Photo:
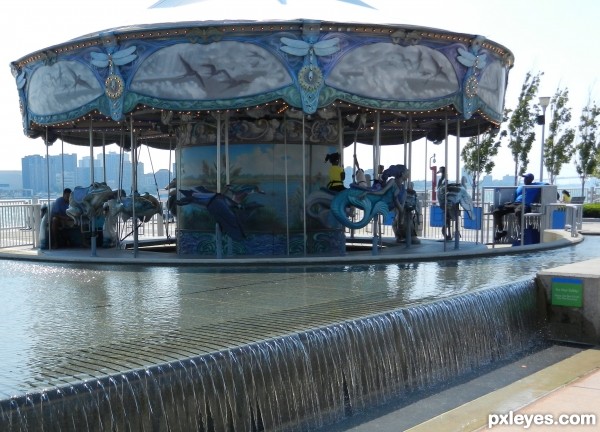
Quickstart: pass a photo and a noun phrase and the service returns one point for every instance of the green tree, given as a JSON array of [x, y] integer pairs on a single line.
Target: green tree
[[587, 151], [558, 148], [522, 123], [478, 153]]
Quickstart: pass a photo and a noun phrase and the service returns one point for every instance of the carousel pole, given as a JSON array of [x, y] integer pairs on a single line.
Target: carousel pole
[[405, 139], [227, 178], [62, 161], [410, 145], [93, 216], [407, 216], [354, 161], [458, 180], [104, 157], [304, 227], [287, 198], [478, 192], [133, 186], [445, 176], [218, 233], [49, 205], [376, 220], [341, 146]]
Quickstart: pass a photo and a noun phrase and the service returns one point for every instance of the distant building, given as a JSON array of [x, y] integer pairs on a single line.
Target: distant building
[[33, 171], [63, 171], [52, 175], [118, 172]]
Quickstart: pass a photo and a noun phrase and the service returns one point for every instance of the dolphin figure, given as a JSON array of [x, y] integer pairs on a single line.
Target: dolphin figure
[[219, 206]]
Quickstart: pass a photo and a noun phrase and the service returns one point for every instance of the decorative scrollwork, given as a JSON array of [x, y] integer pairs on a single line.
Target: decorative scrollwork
[[310, 78], [114, 86], [471, 87]]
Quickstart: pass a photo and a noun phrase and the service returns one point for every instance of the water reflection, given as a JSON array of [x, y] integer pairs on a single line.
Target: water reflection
[[48, 310]]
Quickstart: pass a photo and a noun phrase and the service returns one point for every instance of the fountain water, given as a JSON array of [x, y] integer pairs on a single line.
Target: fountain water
[[299, 381]]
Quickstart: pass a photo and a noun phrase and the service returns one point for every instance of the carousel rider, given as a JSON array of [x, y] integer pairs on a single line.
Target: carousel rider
[[59, 219], [360, 178], [336, 173]]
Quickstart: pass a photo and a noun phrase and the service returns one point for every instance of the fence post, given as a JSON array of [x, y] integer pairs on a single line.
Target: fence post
[[35, 211]]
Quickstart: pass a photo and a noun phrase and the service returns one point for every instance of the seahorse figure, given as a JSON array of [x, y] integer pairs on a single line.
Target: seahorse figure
[[450, 196]]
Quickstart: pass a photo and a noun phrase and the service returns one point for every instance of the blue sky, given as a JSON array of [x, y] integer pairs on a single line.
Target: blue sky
[[557, 37]]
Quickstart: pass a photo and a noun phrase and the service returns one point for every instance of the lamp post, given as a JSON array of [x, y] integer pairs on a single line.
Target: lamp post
[[541, 120]]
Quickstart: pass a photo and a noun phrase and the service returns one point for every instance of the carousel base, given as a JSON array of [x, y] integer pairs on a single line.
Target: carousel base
[[358, 250]]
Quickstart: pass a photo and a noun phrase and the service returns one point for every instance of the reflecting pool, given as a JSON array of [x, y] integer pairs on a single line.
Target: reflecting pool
[[50, 313]]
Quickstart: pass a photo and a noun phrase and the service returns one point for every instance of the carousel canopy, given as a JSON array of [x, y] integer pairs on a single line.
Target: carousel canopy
[[407, 82]]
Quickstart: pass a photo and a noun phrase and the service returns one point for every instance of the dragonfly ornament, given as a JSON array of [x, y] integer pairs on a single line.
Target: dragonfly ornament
[[475, 63], [114, 86], [310, 76]]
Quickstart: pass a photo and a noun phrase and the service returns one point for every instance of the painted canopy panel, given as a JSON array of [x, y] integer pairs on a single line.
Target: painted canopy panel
[[61, 87], [157, 74], [391, 71], [202, 72], [492, 85]]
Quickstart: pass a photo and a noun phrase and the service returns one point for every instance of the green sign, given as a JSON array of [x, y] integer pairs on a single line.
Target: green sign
[[567, 292]]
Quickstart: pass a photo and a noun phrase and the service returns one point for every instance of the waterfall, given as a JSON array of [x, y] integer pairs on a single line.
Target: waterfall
[[299, 381]]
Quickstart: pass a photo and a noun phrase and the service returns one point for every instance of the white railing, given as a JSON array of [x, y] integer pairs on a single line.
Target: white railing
[[430, 228], [20, 225], [17, 224]]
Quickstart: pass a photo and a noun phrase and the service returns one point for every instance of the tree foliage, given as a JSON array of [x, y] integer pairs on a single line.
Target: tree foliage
[[478, 153], [587, 150], [558, 149], [521, 127]]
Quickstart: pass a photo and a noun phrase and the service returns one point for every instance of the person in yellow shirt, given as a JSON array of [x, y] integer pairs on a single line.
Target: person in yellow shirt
[[566, 196], [336, 172]]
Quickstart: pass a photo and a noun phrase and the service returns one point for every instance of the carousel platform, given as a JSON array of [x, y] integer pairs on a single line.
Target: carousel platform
[[358, 250]]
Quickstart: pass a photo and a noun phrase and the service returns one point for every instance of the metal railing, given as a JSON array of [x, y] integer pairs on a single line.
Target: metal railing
[[17, 223], [20, 222], [431, 225]]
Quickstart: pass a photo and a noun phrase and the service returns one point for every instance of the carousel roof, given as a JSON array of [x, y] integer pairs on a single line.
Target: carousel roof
[[256, 75]]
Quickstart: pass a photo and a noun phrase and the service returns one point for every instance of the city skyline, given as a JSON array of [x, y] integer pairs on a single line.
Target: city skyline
[[77, 173], [40, 175]]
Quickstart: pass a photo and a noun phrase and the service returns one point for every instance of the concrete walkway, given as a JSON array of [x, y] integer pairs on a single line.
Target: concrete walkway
[[568, 388]]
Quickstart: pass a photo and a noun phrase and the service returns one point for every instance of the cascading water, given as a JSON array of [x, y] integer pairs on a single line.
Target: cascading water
[[300, 381]]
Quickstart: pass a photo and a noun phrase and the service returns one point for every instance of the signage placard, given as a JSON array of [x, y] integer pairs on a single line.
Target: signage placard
[[567, 292]]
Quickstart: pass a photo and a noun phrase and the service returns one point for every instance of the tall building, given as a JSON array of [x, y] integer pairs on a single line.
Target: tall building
[[33, 171], [53, 174], [63, 171], [113, 168]]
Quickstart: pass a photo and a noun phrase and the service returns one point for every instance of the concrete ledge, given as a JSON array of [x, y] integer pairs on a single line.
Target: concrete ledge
[[569, 300], [551, 235]]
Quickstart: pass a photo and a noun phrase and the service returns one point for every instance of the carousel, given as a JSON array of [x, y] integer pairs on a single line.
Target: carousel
[[252, 111]]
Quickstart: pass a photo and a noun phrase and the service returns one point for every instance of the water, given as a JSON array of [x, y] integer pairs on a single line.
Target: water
[[60, 322]]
